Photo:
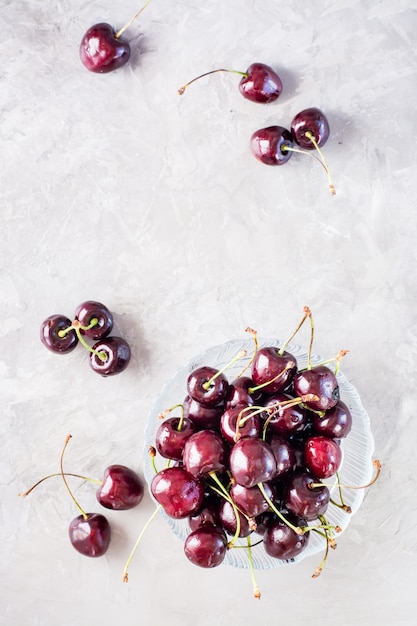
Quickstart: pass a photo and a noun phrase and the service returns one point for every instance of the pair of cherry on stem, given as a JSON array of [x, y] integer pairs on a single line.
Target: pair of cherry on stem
[[121, 489], [109, 354], [103, 50]]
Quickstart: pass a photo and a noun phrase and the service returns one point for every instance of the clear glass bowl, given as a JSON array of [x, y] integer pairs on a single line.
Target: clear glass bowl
[[357, 447]]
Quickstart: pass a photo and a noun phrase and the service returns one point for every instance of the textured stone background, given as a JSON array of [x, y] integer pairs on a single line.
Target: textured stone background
[[115, 188]]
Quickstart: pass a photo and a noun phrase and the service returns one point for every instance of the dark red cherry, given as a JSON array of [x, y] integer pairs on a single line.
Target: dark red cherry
[[335, 423], [302, 500], [116, 356], [101, 51], [284, 456], [49, 334], [171, 436], [206, 546], [275, 367], [207, 514], [249, 425], [90, 535], [179, 493], [121, 488], [250, 500], [240, 392], [205, 451], [321, 382], [203, 416], [228, 520], [282, 542], [206, 386], [261, 84], [269, 145], [322, 456], [286, 420], [312, 121], [252, 461], [90, 310]]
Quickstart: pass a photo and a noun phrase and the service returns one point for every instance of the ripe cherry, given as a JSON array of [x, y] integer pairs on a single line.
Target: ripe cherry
[[260, 83], [179, 493], [322, 456], [89, 311], [335, 423], [121, 488], [171, 436], [303, 500], [110, 356], [310, 128], [206, 546], [207, 385], [205, 451], [51, 338], [270, 145], [252, 461], [282, 542], [320, 381], [90, 534]]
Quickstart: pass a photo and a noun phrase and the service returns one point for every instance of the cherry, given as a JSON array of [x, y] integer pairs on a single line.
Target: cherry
[[90, 534], [233, 521], [51, 337], [205, 451], [287, 419], [242, 392], [273, 369], [207, 385], [121, 488], [260, 83], [104, 50], [310, 127], [179, 493], [90, 311], [335, 423], [250, 500], [270, 145], [282, 542], [322, 456], [171, 436], [110, 357], [321, 382], [249, 424], [207, 514], [284, 456], [252, 461], [303, 500], [203, 416], [206, 547]]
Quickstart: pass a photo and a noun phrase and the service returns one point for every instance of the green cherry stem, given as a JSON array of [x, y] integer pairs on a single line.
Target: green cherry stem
[[77, 327], [307, 313], [310, 136], [209, 382], [138, 540], [296, 529], [88, 478], [225, 494], [83, 513], [256, 590], [288, 366], [255, 350], [184, 87], [285, 404], [132, 19]]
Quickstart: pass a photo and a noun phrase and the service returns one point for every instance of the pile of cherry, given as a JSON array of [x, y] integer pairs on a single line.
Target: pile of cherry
[[247, 458], [109, 354]]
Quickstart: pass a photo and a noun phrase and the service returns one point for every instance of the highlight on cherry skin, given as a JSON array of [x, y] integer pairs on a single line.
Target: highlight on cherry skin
[[109, 355], [103, 49], [260, 83]]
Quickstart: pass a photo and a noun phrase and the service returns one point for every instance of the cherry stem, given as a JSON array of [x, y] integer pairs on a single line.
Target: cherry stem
[[296, 529], [255, 339], [310, 347], [241, 421], [376, 464], [310, 136], [184, 87], [225, 494], [256, 590], [126, 26], [319, 569], [83, 513], [92, 480], [138, 540], [78, 328], [152, 454], [288, 366], [307, 313], [209, 382]]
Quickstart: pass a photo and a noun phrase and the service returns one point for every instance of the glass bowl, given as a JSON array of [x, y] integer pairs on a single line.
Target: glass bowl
[[357, 448]]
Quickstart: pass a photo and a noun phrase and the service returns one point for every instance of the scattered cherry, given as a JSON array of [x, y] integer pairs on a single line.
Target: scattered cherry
[[121, 488], [271, 145]]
